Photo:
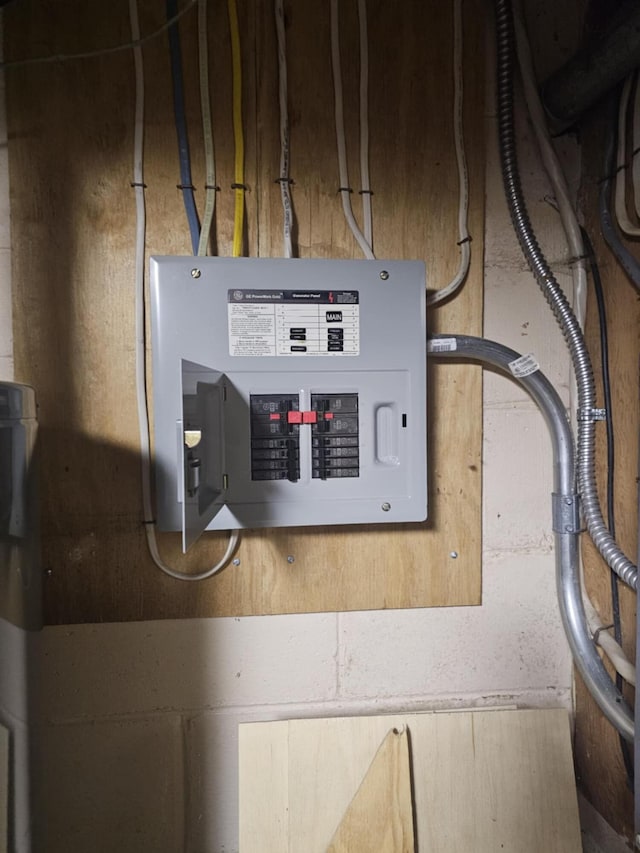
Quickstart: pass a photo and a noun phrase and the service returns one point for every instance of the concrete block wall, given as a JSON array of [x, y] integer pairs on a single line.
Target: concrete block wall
[[139, 734]]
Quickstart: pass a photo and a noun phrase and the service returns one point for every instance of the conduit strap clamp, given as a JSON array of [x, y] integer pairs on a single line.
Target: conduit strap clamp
[[592, 414], [566, 513]]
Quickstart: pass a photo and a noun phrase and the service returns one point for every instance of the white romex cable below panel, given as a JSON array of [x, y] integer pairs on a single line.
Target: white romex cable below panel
[[143, 408]]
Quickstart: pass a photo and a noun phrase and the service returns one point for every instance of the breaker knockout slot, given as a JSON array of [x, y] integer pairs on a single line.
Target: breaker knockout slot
[[275, 437]]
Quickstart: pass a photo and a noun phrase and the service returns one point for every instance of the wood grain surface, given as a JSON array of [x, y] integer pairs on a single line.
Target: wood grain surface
[[598, 754], [379, 818], [484, 781], [73, 226]]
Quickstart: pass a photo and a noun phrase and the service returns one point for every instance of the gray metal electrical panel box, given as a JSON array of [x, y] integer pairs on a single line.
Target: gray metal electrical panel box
[[288, 392]]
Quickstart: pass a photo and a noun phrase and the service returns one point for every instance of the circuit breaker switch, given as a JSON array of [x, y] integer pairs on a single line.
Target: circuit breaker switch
[[336, 429], [275, 437], [309, 417]]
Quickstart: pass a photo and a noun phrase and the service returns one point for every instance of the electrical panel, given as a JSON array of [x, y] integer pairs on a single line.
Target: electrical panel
[[288, 392]]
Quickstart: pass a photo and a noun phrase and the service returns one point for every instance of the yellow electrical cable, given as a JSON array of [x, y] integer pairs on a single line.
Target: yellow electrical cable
[[238, 219]]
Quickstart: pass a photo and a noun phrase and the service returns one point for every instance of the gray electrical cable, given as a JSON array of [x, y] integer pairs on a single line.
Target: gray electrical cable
[[609, 231], [560, 306], [566, 532]]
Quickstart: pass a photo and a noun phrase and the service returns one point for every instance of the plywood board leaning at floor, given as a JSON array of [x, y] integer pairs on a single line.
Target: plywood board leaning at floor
[[482, 780], [379, 818]]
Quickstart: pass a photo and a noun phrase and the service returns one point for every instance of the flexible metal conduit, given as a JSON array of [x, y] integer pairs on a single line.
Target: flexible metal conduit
[[561, 308], [583, 649]]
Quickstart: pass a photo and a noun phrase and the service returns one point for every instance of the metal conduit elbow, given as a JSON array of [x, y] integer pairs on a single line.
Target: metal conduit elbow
[[583, 649]]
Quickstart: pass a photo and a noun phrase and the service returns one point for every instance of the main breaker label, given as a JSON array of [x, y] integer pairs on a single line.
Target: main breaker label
[[293, 322]]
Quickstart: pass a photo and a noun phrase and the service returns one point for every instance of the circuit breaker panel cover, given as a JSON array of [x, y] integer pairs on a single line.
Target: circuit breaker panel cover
[[288, 392]]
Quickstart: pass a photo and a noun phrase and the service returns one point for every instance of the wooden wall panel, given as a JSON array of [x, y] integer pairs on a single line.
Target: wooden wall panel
[[71, 139], [598, 756]]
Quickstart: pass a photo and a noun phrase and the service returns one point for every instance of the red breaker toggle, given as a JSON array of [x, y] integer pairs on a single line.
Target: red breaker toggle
[[306, 417]]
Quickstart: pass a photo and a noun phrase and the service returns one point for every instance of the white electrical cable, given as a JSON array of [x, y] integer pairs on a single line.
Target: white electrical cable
[[138, 183], [635, 164], [364, 124], [621, 166], [463, 173], [573, 236], [607, 643], [344, 188], [143, 409], [553, 168], [207, 132], [105, 51], [284, 181]]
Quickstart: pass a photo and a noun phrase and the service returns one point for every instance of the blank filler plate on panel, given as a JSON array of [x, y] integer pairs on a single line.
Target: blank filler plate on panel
[[319, 368]]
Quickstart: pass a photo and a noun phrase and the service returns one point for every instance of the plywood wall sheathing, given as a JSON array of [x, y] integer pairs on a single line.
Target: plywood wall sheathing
[[73, 223], [598, 754]]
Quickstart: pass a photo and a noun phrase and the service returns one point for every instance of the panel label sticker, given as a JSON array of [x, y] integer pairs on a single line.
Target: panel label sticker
[[293, 322]]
